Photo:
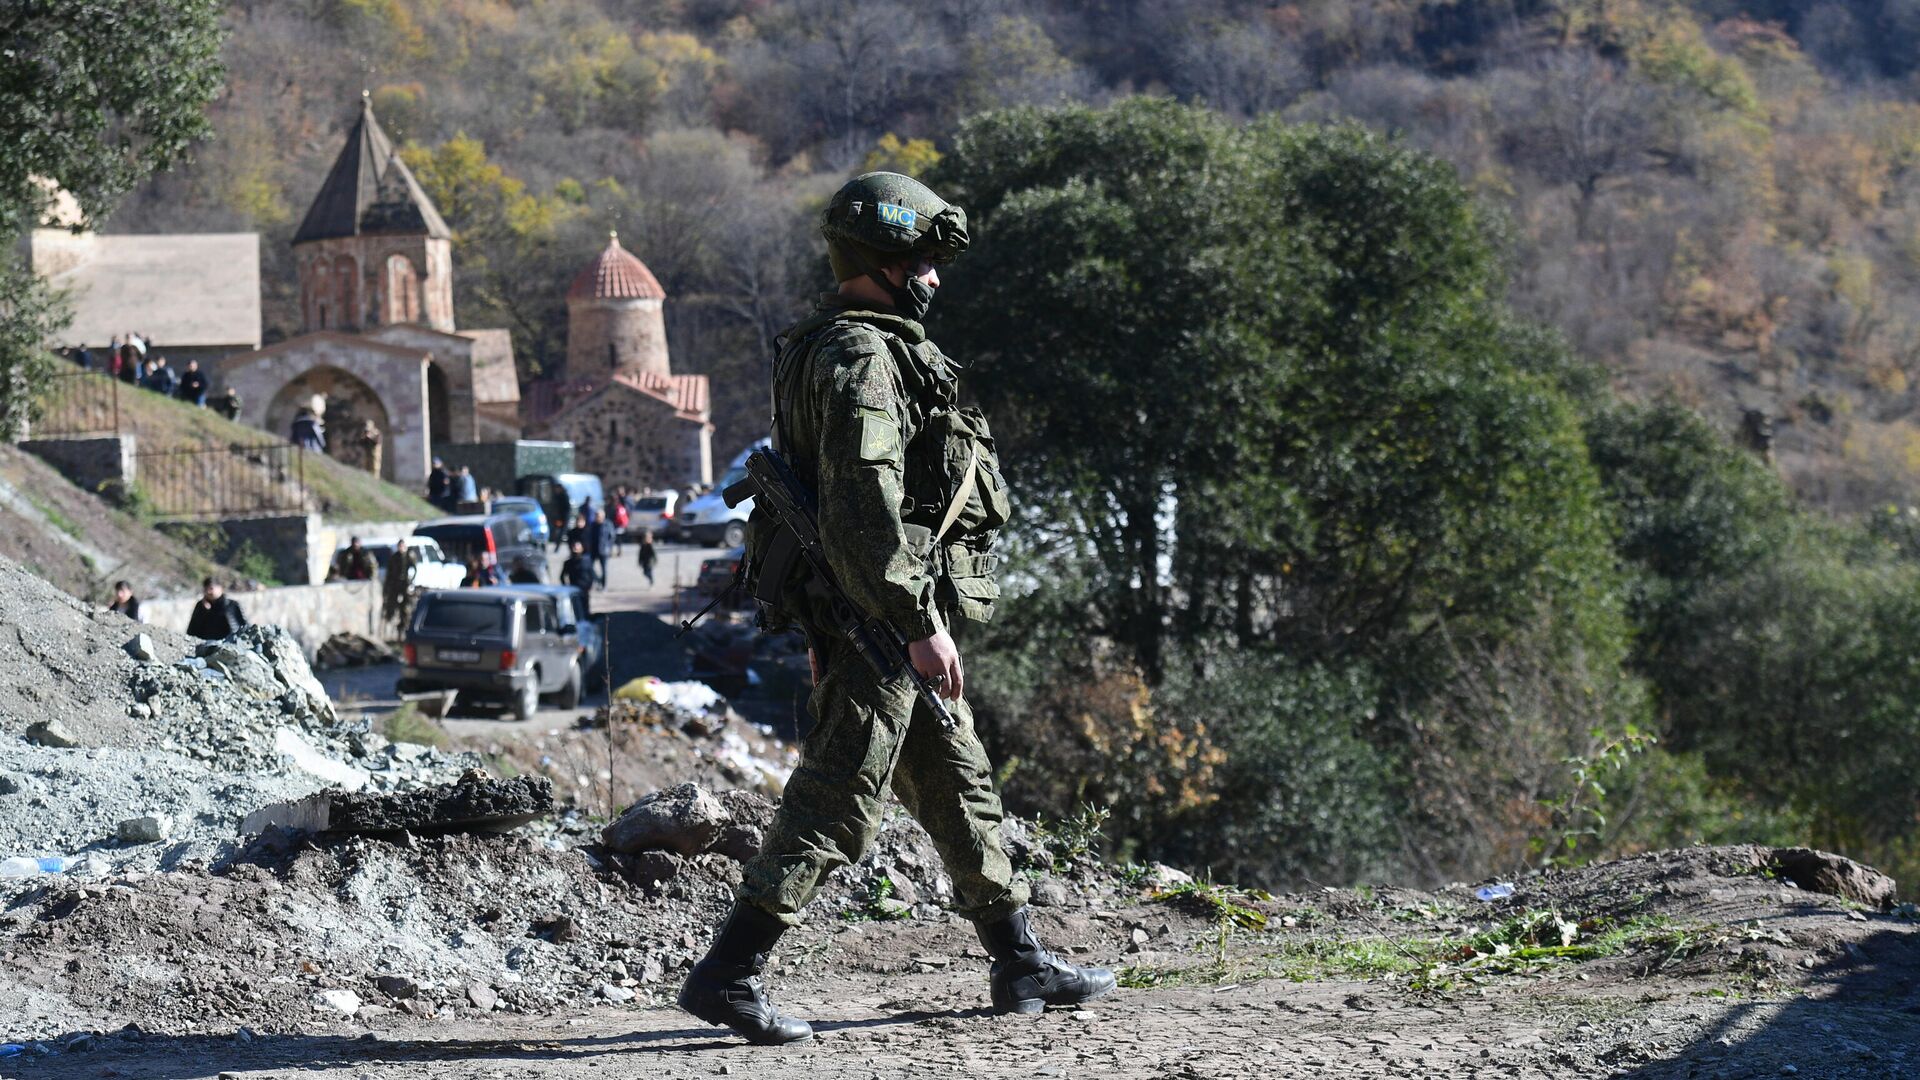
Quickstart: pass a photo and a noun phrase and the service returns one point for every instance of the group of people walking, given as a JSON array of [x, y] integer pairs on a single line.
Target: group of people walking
[[596, 538]]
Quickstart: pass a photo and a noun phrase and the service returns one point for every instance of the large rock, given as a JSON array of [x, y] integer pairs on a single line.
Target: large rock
[[248, 671], [1835, 875], [684, 819], [289, 664], [51, 733]]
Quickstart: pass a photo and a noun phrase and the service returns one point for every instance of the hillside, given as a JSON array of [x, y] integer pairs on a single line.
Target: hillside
[[336, 491], [82, 545], [1716, 198]]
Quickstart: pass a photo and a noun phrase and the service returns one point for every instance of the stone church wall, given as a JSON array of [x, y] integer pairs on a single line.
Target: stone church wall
[[628, 438]]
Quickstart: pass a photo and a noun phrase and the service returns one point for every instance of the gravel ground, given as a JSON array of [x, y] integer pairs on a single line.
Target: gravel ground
[[196, 732]]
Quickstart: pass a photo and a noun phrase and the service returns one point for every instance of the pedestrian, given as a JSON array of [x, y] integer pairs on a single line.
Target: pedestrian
[[577, 532], [621, 517], [216, 616], [228, 404], [161, 378], [559, 513], [193, 384], [84, 357], [396, 585], [114, 357], [599, 544], [855, 387], [648, 556], [439, 484], [482, 571], [577, 571], [368, 441], [355, 563], [465, 491], [124, 601], [128, 370], [309, 431]]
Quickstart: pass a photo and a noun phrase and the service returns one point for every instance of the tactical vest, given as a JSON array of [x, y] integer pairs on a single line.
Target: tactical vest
[[955, 496]]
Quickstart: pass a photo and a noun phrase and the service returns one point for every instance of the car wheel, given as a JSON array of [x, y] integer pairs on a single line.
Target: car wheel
[[528, 703], [734, 535], [569, 695]]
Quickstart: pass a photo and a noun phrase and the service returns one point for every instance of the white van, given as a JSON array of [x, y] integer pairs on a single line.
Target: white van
[[708, 520]]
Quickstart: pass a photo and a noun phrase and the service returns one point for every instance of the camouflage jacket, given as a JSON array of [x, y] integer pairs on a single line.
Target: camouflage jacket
[[855, 392]]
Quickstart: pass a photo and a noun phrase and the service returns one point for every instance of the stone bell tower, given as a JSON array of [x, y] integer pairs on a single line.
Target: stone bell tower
[[615, 323], [372, 249]]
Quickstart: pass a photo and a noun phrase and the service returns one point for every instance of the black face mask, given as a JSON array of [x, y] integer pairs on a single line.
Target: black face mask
[[911, 299]]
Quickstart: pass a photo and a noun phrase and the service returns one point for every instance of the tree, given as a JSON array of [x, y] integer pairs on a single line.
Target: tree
[[94, 96]]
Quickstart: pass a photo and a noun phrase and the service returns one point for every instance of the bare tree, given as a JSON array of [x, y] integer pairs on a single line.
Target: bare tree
[[1579, 120]]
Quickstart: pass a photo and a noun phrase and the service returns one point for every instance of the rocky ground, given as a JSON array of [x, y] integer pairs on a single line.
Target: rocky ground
[[387, 941]]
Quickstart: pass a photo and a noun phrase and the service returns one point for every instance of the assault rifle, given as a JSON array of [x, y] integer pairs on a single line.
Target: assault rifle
[[779, 494]]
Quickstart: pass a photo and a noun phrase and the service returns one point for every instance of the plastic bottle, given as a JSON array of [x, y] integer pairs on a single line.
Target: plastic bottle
[[27, 866]]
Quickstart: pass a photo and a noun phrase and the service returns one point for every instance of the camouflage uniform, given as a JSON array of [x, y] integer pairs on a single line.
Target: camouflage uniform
[[910, 496], [857, 391]]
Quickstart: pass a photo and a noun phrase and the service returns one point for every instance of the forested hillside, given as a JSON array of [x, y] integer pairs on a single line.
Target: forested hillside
[[1718, 199], [1375, 375]]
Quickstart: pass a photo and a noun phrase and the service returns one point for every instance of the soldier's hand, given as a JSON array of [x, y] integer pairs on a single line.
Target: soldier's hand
[[938, 662]]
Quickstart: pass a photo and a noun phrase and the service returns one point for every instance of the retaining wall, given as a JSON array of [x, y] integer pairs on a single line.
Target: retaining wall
[[95, 463], [311, 613]]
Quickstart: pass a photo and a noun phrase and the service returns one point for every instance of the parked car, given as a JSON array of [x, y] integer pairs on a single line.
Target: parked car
[[716, 574], [528, 508], [652, 514], [708, 519], [546, 489], [507, 645], [432, 569], [592, 631], [508, 536]]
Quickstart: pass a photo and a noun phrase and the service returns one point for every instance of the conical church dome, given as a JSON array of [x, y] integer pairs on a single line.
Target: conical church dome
[[615, 274]]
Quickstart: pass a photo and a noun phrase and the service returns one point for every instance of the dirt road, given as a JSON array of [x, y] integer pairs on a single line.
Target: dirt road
[[936, 1025]]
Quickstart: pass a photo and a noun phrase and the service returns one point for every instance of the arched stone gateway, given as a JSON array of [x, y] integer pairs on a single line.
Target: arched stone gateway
[[344, 403], [356, 379]]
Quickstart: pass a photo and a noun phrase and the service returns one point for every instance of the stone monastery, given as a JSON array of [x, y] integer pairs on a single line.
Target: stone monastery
[[379, 345]]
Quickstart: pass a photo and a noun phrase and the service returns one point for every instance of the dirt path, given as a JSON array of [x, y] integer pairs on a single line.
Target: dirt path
[[936, 1025]]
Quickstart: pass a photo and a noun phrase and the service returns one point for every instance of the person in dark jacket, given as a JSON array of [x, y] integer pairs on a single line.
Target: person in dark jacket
[[648, 556], [577, 571], [599, 544], [309, 432], [162, 379], [124, 601], [216, 616], [193, 384], [482, 572], [439, 485]]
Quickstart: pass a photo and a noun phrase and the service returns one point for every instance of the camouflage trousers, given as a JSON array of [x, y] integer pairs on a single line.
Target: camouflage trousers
[[868, 735]]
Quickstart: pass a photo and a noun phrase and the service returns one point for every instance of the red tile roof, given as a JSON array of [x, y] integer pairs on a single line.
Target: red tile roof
[[615, 274], [545, 400]]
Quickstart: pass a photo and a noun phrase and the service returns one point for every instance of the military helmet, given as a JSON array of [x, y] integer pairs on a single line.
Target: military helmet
[[895, 214]]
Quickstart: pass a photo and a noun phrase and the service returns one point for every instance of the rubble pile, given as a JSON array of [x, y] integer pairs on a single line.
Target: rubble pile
[[345, 650], [129, 746]]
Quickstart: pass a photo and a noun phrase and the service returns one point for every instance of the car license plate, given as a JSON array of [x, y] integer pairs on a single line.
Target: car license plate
[[687, 519], [458, 656]]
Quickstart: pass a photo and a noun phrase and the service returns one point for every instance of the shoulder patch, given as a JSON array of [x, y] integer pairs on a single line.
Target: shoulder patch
[[879, 436]]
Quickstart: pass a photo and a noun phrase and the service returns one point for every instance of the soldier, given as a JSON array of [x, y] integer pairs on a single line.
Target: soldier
[[910, 496]]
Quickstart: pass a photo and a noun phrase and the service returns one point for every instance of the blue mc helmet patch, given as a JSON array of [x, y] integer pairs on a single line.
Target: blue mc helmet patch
[[902, 216]]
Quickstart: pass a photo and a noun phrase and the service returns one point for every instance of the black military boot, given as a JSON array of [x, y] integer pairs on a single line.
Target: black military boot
[[724, 987], [1026, 977]]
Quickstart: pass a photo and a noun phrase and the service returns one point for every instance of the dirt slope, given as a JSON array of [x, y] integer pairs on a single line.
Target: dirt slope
[[77, 541]]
